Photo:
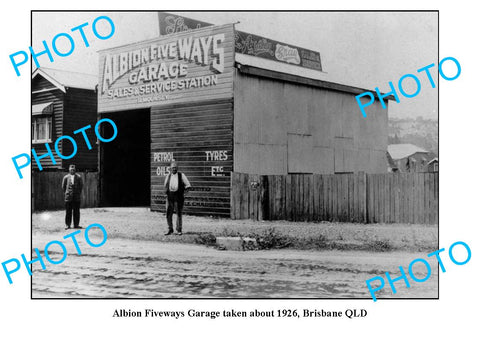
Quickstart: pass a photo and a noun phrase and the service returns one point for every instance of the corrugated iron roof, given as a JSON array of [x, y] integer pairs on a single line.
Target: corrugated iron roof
[[294, 70], [62, 78], [399, 151], [273, 65]]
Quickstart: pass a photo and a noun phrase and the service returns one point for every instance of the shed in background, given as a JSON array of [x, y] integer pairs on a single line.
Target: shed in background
[[411, 158]]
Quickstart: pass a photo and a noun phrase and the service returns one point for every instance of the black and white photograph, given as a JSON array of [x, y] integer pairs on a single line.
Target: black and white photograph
[[228, 155], [222, 170]]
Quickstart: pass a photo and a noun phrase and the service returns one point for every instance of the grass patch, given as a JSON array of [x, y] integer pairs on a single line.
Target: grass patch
[[207, 239], [320, 242], [271, 239], [379, 245]]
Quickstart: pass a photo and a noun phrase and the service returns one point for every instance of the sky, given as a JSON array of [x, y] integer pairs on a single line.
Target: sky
[[363, 49]]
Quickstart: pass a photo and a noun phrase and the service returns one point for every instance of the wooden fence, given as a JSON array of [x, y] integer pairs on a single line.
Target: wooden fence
[[364, 198], [47, 190]]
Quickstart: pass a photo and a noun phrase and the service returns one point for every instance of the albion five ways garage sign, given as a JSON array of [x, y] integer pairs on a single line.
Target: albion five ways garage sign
[[167, 70]]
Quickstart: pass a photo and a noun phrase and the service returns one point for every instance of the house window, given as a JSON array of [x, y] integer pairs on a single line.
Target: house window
[[42, 129]]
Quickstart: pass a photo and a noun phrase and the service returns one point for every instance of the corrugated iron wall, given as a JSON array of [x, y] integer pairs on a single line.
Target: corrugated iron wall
[[283, 127]]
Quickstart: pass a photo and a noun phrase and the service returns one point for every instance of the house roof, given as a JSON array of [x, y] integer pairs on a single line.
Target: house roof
[[63, 79], [433, 160], [390, 162], [399, 151]]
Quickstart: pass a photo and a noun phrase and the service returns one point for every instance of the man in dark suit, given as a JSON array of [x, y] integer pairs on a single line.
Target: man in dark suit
[[176, 184], [72, 186]]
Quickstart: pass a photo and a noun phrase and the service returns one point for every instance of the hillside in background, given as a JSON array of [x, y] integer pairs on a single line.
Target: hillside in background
[[418, 131]]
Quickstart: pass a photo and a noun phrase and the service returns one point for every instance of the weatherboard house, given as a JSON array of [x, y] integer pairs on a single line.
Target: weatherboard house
[[62, 102], [204, 98]]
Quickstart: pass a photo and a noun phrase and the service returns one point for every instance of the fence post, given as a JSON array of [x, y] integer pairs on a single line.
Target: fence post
[[263, 211], [33, 192], [232, 195], [366, 204]]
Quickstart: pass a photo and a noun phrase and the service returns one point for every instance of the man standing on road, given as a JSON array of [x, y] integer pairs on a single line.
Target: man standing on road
[[72, 186], [176, 184]]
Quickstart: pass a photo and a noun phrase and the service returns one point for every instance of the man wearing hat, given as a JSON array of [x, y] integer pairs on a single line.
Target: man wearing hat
[[176, 184], [72, 186]]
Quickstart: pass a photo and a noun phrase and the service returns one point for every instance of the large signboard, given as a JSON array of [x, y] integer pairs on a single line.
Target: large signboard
[[246, 43], [181, 67]]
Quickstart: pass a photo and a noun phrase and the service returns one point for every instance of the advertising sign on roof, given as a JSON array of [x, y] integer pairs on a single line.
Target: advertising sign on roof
[[246, 43]]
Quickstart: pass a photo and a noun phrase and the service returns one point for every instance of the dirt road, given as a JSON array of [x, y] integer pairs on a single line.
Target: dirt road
[[124, 268]]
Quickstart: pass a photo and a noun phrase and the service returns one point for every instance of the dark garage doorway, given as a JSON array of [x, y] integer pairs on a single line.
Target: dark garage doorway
[[125, 161]]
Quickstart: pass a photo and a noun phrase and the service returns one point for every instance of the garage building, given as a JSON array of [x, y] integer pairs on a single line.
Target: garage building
[[189, 97]]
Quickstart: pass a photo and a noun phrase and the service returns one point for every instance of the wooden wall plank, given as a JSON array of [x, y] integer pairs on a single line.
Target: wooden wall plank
[[386, 198], [233, 192], [381, 201], [396, 184], [279, 197], [345, 208], [256, 197], [411, 198], [323, 198], [406, 195], [173, 134], [314, 197], [320, 197], [353, 198], [377, 198], [331, 195], [288, 200], [416, 198], [283, 193], [434, 200], [334, 197], [368, 184], [272, 197], [246, 205], [391, 192], [373, 199], [80, 109], [300, 203], [363, 197], [311, 202], [436, 194], [47, 191], [426, 198], [421, 201]]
